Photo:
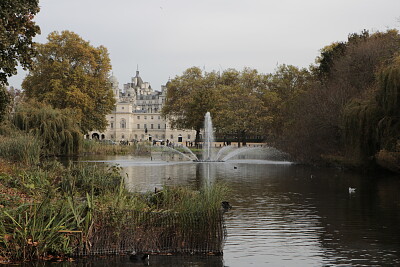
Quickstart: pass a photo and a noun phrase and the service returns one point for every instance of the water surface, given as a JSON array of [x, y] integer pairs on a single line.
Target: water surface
[[289, 215]]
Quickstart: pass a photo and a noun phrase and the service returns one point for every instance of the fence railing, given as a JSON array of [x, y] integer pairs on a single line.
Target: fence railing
[[153, 232]]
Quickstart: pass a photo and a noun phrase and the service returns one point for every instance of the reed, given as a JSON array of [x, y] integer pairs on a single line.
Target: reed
[[101, 148], [20, 147]]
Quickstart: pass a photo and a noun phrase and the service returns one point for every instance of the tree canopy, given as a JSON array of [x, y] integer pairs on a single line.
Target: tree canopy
[[234, 98], [17, 29], [340, 111], [189, 97], [68, 72], [55, 128]]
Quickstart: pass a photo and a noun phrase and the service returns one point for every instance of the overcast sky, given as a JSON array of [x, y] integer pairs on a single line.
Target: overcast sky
[[165, 37]]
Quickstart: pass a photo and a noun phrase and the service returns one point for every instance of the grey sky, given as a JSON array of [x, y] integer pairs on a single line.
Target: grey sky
[[165, 37]]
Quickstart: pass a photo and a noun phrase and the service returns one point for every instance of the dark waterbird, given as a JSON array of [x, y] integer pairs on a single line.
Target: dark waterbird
[[138, 256], [226, 205]]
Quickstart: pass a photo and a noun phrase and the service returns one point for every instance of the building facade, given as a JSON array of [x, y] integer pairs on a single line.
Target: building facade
[[137, 115]]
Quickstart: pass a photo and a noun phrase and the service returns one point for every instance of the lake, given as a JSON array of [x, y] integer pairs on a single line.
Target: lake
[[284, 214]]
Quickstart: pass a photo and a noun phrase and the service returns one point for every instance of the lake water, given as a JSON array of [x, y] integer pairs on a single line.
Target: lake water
[[285, 214]]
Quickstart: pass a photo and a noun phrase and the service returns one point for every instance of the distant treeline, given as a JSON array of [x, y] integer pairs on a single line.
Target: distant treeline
[[344, 108]]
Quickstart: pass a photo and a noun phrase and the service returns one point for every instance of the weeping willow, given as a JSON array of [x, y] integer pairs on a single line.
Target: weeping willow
[[361, 117], [372, 123], [57, 129], [389, 100]]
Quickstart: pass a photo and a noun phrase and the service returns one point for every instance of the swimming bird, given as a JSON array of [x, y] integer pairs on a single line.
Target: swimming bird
[[139, 256], [352, 190], [226, 205]]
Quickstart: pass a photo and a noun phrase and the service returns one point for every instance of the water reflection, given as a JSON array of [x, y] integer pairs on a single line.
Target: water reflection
[[290, 215]]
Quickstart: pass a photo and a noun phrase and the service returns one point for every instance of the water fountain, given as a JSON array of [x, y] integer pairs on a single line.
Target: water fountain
[[208, 139], [226, 153]]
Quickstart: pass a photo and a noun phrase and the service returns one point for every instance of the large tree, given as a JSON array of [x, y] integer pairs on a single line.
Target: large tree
[[189, 97], [68, 72], [240, 110], [55, 128], [17, 29]]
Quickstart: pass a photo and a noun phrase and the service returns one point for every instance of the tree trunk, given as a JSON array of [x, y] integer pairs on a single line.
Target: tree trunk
[[197, 139], [244, 142]]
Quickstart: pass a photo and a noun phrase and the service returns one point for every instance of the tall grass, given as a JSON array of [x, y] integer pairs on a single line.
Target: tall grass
[[99, 148], [23, 148], [183, 199]]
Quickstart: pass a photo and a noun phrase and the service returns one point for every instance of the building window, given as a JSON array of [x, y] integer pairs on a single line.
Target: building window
[[188, 136], [159, 117], [145, 126], [123, 124], [151, 126], [111, 125], [165, 126], [122, 136], [172, 136], [112, 136], [180, 138], [135, 136], [138, 126], [159, 126], [142, 136], [156, 136], [151, 117], [138, 117], [163, 136], [145, 117]]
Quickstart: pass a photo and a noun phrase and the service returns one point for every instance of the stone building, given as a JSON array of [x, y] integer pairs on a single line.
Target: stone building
[[137, 115]]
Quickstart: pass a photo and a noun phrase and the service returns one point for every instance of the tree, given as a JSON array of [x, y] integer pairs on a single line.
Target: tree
[[68, 72], [17, 29], [4, 102], [240, 110], [189, 97], [288, 83], [56, 129]]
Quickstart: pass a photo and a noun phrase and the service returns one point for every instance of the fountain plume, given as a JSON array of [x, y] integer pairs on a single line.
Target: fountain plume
[[208, 138]]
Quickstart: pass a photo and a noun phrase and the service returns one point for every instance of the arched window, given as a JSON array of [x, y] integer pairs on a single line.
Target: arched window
[[123, 123]]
